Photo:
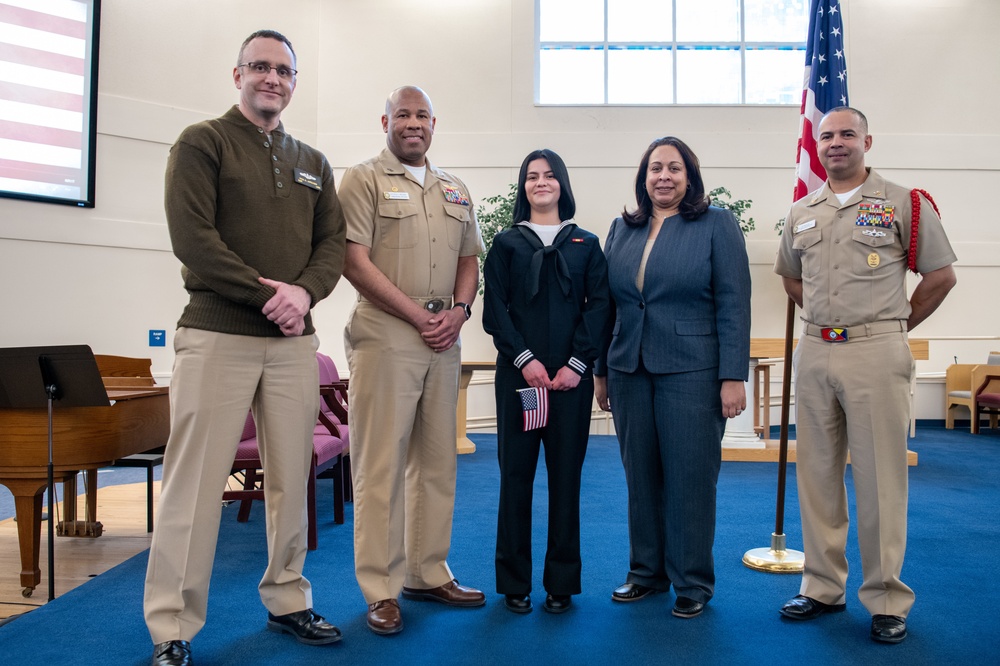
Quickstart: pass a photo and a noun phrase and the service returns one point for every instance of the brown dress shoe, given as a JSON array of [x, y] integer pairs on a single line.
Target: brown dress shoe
[[384, 617], [451, 594]]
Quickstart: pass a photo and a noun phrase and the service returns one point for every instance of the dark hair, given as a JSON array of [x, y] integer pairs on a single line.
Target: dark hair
[[850, 109], [269, 34], [567, 204], [694, 203]]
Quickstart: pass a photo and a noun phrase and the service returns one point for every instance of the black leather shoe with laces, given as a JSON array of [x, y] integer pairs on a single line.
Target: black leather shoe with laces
[[172, 653], [888, 628], [306, 626], [801, 607]]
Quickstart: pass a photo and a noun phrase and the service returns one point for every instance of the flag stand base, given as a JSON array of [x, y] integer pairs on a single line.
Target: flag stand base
[[776, 559]]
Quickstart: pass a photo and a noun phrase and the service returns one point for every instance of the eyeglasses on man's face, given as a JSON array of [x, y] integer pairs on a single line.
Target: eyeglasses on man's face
[[284, 72]]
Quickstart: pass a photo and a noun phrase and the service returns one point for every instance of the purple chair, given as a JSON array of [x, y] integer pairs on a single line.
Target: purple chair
[[986, 400], [330, 445]]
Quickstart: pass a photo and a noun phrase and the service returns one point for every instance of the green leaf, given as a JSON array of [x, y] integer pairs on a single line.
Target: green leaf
[[738, 207], [494, 220]]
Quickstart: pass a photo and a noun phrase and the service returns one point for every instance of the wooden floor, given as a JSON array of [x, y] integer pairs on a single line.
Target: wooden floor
[[122, 511]]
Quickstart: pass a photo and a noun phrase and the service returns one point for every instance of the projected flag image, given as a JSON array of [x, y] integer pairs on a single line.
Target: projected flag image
[[45, 106]]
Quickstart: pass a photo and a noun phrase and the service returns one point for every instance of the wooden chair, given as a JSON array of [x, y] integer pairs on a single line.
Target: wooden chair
[[959, 386], [330, 441]]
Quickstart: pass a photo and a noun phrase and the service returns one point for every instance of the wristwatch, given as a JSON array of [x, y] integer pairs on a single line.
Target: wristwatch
[[465, 308]]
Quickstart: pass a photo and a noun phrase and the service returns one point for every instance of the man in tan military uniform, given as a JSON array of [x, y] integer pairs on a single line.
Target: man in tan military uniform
[[843, 260], [413, 242]]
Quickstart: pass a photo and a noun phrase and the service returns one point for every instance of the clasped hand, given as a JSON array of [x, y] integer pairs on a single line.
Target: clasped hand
[[440, 331], [534, 373], [288, 307]]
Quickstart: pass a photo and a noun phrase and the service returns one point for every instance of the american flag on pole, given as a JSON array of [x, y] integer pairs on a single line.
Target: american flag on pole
[[535, 405], [824, 88]]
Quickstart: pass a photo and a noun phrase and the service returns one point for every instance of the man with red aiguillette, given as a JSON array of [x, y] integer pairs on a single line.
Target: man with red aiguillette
[[843, 260]]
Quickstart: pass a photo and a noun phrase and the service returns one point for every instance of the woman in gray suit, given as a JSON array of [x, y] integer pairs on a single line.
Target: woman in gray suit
[[675, 369]]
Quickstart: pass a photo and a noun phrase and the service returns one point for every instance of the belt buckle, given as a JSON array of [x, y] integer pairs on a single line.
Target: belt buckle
[[434, 306], [834, 334]]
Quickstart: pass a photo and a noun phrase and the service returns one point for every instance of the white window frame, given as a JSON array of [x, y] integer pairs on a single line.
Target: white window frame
[[742, 46]]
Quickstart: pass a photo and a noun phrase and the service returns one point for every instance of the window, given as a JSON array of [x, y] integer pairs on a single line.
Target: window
[[671, 51]]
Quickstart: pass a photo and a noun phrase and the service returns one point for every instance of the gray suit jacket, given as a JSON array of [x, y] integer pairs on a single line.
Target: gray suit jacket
[[694, 310]]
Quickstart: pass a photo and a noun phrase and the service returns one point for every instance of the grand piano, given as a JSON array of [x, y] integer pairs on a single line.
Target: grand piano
[[84, 438]]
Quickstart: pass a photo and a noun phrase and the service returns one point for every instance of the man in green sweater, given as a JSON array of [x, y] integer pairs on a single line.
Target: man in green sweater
[[255, 220]]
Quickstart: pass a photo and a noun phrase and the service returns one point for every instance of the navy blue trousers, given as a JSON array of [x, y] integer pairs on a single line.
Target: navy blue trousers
[[565, 439], [670, 430]]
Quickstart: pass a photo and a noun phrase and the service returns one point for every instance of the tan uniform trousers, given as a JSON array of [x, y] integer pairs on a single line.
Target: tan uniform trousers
[[216, 379], [854, 397], [403, 397]]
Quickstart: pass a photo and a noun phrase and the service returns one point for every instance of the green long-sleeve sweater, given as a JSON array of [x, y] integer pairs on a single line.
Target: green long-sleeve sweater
[[242, 204]]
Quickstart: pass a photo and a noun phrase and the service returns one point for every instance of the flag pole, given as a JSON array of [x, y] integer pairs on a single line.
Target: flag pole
[[777, 558], [824, 88]]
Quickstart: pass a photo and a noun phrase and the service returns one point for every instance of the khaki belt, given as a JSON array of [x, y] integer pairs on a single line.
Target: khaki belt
[[430, 303], [846, 334]]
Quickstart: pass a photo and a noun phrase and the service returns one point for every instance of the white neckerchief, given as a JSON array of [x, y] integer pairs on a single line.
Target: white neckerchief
[[546, 232]]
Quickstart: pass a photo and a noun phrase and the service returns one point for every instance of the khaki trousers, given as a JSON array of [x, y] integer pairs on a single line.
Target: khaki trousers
[[403, 397], [217, 378], [854, 397]]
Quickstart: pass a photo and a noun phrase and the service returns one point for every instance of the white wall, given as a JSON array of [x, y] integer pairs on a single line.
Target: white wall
[[923, 71]]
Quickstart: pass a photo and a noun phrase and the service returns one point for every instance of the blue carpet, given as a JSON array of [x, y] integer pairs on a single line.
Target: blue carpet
[[950, 563]]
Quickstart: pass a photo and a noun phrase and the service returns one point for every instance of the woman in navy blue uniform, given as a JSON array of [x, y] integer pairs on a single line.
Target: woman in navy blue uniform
[[676, 367], [547, 307]]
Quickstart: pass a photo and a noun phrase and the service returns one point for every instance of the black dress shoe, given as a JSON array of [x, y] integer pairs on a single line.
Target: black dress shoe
[[517, 603], [687, 608], [632, 592], [801, 607], [888, 628], [306, 626], [172, 653], [557, 603]]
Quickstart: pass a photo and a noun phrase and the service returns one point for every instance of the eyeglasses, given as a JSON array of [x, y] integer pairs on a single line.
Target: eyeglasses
[[263, 69]]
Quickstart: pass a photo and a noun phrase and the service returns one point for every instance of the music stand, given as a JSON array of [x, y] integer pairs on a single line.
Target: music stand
[[35, 377]]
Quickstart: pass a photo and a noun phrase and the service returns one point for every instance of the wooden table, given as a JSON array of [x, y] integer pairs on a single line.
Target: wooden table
[[463, 443]]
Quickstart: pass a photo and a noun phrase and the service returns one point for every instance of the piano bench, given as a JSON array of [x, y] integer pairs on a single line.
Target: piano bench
[[149, 461]]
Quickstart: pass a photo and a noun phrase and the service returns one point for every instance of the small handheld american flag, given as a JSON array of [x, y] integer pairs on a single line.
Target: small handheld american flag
[[535, 405]]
